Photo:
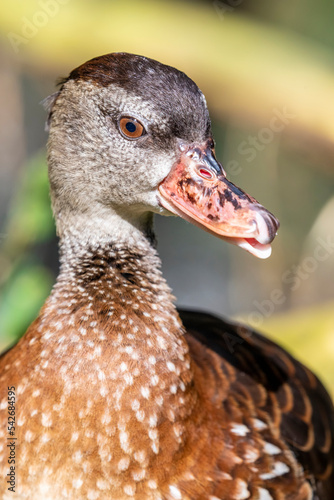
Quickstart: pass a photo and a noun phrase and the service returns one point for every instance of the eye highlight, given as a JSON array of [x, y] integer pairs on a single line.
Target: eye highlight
[[131, 128]]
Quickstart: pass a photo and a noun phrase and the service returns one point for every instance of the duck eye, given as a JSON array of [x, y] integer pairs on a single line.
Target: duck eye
[[131, 128]]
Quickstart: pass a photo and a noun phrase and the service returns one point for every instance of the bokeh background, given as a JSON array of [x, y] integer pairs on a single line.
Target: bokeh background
[[267, 70]]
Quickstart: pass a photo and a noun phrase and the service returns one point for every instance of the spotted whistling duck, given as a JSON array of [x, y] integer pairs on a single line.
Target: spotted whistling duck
[[118, 394]]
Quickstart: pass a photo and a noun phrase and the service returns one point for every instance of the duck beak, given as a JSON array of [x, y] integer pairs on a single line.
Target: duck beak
[[197, 190]]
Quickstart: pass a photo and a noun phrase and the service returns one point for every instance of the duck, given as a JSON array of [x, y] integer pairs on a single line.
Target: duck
[[114, 393]]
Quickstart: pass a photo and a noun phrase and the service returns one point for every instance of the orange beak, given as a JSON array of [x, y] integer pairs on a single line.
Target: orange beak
[[197, 190]]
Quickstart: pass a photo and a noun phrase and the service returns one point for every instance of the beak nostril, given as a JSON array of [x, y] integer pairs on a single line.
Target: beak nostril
[[205, 173]]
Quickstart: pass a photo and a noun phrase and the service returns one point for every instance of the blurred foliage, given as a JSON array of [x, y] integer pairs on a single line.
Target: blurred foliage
[[30, 217], [309, 335], [306, 334], [25, 281], [252, 60]]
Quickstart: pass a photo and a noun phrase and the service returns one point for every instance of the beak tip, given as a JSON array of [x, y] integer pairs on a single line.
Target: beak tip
[[267, 226]]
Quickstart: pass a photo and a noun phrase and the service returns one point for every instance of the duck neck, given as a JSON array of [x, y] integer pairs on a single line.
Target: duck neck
[[116, 252], [116, 264]]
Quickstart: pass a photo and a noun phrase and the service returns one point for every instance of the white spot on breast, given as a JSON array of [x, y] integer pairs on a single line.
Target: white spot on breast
[[106, 418], [128, 379], [153, 420], [239, 429], [171, 415], [154, 380], [135, 405], [46, 420], [161, 342], [251, 455], [173, 389], [74, 437], [170, 366], [224, 475], [77, 456], [152, 484], [135, 355], [92, 495], [259, 424], [139, 475], [145, 391], [264, 494], [129, 489], [152, 360], [123, 438], [175, 492], [45, 438], [123, 464], [271, 449], [57, 407], [102, 484], [279, 469], [29, 436], [182, 386], [20, 389], [242, 491], [140, 456], [103, 391], [159, 400], [44, 488], [77, 483], [155, 447], [177, 428], [140, 415], [153, 434]]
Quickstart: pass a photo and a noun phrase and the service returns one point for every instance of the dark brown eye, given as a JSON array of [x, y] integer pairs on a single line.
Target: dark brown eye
[[131, 128]]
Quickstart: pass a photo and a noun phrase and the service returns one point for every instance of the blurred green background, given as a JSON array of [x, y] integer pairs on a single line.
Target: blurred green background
[[267, 70]]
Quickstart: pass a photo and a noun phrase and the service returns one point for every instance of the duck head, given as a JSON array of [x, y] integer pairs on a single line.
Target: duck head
[[130, 136]]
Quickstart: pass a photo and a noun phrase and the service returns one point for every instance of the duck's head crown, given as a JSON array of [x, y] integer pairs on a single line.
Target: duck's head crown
[[161, 85]]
